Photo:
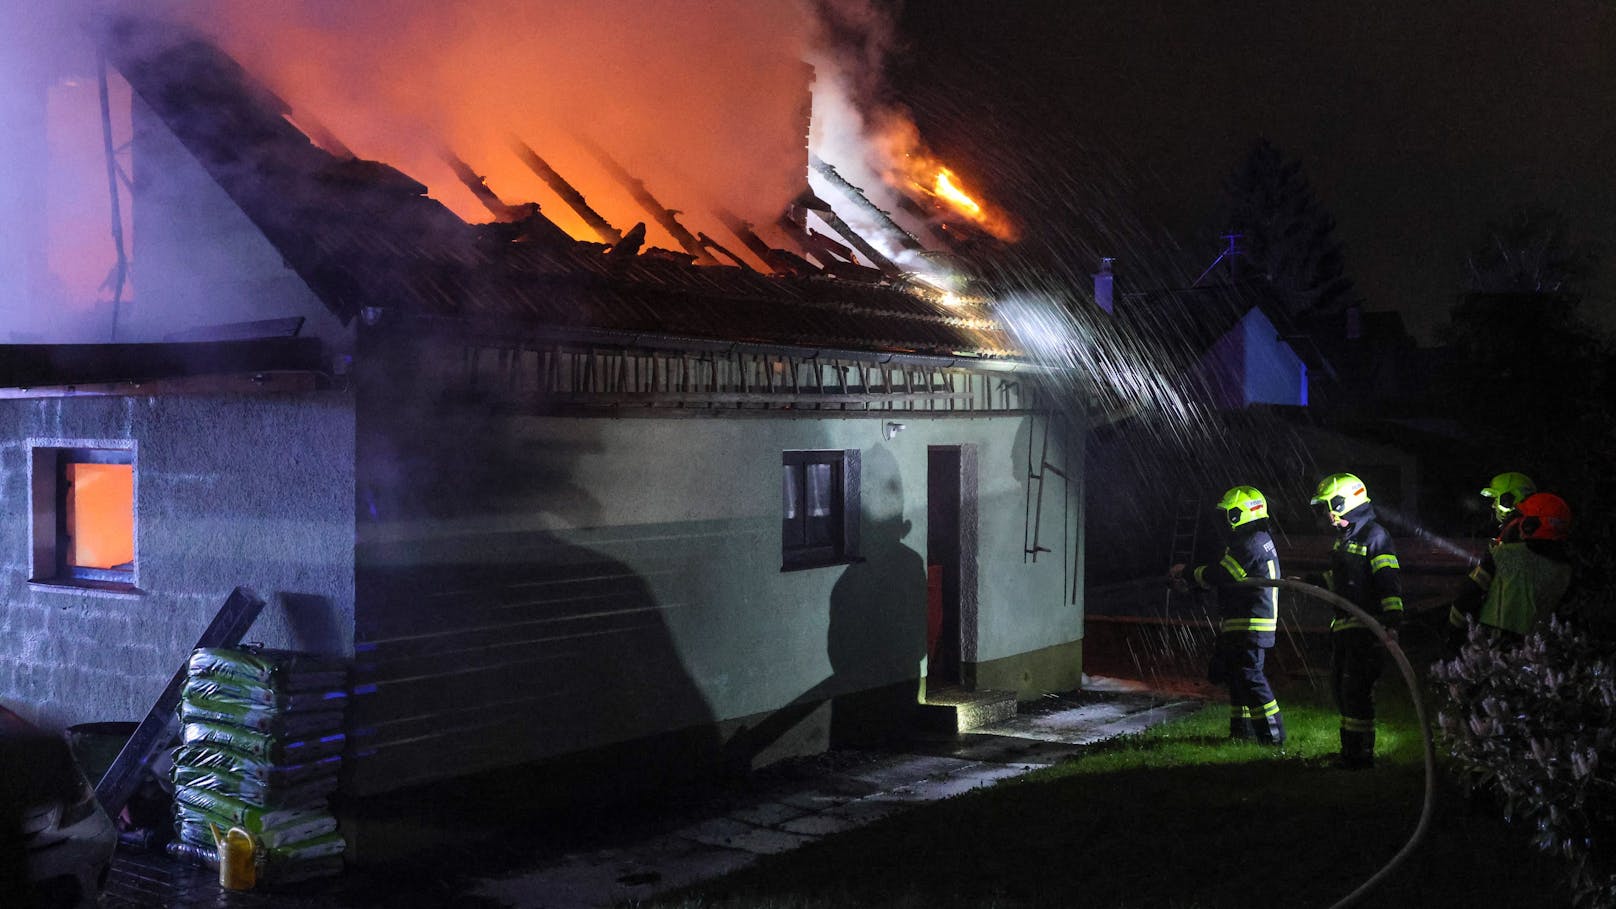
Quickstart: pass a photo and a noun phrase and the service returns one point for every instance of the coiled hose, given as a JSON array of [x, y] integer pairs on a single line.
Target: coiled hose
[[1392, 647]]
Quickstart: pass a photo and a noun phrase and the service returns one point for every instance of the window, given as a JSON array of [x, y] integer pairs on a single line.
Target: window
[[84, 517], [819, 508]]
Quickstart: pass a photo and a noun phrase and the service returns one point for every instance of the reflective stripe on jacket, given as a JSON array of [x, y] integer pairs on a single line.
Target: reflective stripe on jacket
[[1364, 570], [1251, 613]]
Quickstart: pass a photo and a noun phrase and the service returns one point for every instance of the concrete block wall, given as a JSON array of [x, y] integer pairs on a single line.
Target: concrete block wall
[[239, 490]]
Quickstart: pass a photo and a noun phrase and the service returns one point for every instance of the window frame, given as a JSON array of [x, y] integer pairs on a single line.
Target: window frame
[[49, 460], [842, 547]]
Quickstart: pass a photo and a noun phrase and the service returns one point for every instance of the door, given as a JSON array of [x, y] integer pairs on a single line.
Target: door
[[944, 558]]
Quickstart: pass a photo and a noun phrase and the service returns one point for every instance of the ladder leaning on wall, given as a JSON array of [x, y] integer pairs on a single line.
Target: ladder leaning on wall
[[1186, 533]]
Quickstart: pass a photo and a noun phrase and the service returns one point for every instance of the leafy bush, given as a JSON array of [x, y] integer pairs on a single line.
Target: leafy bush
[[1534, 722]]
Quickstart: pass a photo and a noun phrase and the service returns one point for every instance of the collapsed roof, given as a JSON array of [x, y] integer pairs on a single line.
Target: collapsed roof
[[361, 235]]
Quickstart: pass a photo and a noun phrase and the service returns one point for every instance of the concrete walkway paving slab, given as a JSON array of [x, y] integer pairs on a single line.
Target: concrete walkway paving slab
[[768, 814], [844, 818], [733, 834], [905, 769]]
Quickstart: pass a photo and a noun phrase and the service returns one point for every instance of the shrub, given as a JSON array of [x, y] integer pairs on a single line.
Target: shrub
[[1532, 722]]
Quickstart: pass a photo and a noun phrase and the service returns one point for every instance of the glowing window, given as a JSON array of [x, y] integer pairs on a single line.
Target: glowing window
[[819, 508], [99, 516], [84, 516]]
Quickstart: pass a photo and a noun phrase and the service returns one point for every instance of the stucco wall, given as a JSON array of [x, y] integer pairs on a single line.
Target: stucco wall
[[250, 491], [530, 586]]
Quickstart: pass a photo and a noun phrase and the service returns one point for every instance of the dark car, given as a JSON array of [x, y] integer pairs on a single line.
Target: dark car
[[56, 842]]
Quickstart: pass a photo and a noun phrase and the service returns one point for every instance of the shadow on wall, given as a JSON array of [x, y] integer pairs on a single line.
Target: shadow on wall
[[876, 636], [314, 624], [483, 643]]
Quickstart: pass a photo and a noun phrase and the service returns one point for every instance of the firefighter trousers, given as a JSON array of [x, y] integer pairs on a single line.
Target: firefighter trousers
[[1253, 710], [1356, 661]]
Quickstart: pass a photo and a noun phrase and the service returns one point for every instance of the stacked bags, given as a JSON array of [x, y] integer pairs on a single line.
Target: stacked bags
[[261, 743]]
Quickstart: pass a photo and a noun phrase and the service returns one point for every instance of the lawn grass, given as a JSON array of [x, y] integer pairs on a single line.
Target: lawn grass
[[1176, 817]]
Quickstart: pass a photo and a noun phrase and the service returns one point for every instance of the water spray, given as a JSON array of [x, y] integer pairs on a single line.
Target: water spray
[[1403, 522], [1407, 669]]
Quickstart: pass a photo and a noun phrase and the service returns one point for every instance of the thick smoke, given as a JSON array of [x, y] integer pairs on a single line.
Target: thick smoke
[[706, 102]]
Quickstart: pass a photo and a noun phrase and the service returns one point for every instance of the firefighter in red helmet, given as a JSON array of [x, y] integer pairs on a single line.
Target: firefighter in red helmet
[[1248, 615], [1525, 574]]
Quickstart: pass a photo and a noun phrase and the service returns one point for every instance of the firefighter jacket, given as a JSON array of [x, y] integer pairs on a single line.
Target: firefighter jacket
[[1517, 585], [1249, 612], [1364, 569]]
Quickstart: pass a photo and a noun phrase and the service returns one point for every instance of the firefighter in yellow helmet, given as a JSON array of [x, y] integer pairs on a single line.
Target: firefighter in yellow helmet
[[1364, 570], [1247, 616], [1508, 490], [1524, 575]]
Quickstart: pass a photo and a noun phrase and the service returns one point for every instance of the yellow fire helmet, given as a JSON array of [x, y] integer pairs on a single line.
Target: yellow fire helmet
[[1340, 493], [1507, 490], [1242, 505]]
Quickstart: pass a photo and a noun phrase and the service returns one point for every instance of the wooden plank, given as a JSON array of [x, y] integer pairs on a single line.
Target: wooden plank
[[124, 776]]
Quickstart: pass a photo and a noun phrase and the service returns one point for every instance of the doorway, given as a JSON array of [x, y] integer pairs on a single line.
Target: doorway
[[950, 565]]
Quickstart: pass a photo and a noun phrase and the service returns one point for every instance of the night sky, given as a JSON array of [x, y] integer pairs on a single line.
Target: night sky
[[1110, 125]]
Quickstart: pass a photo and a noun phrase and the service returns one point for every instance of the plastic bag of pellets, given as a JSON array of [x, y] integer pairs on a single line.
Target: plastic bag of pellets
[[261, 746], [252, 770], [260, 718], [219, 687], [272, 828], [313, 792], [280, 669]]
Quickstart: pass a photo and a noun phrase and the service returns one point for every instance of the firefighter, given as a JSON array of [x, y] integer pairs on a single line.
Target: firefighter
[[1364, 570], [1248, 615], [1507, 490], [1524, 576]]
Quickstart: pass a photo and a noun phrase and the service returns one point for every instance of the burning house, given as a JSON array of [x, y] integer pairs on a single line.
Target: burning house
[[558, 498]]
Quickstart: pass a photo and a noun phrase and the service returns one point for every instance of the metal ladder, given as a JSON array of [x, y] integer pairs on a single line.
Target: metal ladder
[[1186, 531]]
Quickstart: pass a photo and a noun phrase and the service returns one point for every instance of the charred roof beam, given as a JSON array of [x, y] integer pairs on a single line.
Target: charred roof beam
[[530, 223], [780, 260], [570, 195], [664, 216], [900, 236]]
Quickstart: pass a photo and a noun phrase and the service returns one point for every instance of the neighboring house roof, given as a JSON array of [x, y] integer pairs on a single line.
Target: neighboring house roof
[[1187, 322], [362, 234]]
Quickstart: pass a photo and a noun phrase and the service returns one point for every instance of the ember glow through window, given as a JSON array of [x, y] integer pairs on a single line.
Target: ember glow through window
[[99, 516], [84, 516], [819, 508]]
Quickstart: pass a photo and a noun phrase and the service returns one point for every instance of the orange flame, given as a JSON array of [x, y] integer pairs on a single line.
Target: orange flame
[[911, 166], [941, 183], [944, 188]]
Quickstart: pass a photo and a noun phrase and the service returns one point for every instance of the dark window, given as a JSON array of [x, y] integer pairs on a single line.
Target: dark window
[[819, 508], [84, 516]]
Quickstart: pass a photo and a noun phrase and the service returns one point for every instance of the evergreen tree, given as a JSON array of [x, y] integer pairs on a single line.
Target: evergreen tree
[[1287, 236]]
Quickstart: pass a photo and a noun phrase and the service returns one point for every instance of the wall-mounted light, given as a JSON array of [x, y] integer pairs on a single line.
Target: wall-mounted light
[[370, 315], [891, 429]]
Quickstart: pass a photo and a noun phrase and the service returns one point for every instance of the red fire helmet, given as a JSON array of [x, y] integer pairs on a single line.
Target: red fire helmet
[[1543, 516]]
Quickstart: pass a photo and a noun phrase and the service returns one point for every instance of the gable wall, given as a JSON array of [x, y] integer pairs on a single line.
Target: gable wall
[[200, 260]]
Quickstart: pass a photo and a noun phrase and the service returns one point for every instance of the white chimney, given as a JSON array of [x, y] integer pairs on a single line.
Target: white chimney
[[1102, 285]]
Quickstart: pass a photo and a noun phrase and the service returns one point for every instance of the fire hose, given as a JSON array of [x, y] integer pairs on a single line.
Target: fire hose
[[1419, 713]]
